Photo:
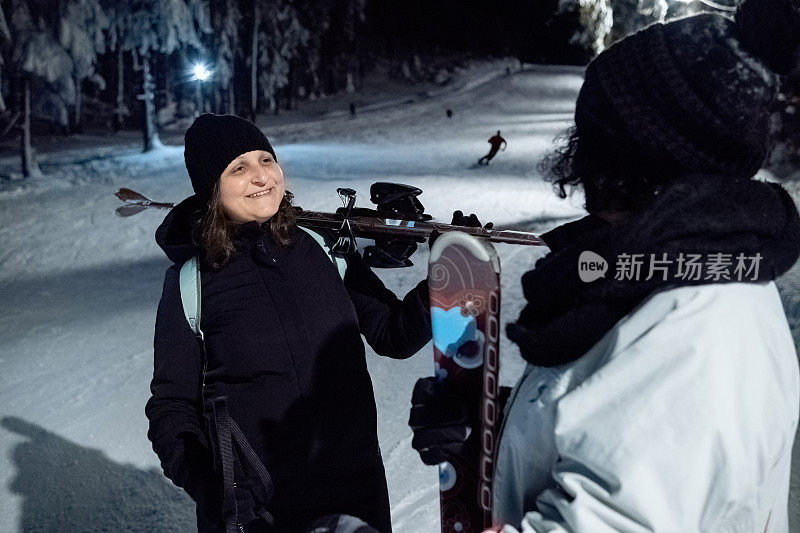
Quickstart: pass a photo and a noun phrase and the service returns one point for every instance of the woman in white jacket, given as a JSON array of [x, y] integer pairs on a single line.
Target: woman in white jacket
[[662, 396]]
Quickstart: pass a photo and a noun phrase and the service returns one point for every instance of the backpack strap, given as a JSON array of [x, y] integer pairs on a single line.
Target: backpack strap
[[252, 468], [190, 294]]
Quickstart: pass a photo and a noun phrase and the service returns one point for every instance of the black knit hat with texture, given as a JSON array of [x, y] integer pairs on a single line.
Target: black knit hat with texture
[[212, 142], [692, 95]]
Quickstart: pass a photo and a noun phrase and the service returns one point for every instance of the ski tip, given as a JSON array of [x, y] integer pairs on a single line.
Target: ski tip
[[476, 246], [129, 210], [127, 195]]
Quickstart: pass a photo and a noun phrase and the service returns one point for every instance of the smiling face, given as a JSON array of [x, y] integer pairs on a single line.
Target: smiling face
[[251, 187]]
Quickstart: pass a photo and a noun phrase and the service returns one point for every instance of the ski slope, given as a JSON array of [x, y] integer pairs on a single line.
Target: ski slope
[[80, 287]]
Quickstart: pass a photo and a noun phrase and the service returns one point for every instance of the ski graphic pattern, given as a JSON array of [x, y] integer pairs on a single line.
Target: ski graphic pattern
[[464, 282]]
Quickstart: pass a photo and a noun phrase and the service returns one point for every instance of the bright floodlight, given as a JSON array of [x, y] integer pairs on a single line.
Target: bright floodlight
[[201, 72]]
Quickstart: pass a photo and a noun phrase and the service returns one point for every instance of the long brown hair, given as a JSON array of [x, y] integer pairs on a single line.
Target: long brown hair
[[215, 230]]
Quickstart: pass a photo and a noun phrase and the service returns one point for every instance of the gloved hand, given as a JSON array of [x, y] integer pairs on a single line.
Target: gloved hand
[[470, 221], [440, 421], [340, 523], [207, 493], [195, 473], [459, 219]]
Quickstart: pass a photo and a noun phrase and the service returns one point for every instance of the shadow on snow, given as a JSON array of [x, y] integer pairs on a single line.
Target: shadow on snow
[[67, 487]]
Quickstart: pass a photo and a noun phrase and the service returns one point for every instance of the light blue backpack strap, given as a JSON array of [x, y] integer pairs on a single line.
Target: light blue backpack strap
[[339, 262], [190, 294]]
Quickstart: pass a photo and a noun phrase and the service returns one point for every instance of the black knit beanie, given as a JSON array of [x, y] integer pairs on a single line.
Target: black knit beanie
[[212, 142], [694, 94]]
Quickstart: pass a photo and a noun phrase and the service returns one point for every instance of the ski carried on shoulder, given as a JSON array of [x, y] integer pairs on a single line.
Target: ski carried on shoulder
[[396, 225], [464, 284]]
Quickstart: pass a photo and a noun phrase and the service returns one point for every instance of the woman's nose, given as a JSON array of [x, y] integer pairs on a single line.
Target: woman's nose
[[260, 176]]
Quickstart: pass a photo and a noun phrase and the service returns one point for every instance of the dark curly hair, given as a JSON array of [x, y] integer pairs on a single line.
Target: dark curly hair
[[613, 176], [214, 231]]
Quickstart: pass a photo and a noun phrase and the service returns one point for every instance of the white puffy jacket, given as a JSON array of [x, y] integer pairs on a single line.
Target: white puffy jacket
[[680, 419]]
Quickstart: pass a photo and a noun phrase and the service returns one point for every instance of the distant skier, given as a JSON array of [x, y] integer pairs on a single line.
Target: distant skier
[[449, 113], [352, 110], [498, 143]]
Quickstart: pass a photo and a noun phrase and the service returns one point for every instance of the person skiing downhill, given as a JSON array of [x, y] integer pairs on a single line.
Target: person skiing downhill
[[497, 143], [661, 395], [282, 347]]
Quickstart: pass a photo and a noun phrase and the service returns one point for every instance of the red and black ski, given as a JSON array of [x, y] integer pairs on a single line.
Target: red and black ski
[[464, 282]]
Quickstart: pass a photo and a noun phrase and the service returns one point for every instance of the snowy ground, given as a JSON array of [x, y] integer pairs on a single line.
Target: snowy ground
[[80, 288]]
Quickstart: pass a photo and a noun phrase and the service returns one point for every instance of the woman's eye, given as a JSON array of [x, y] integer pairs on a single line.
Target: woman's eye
[[238, 169], [266, 160]]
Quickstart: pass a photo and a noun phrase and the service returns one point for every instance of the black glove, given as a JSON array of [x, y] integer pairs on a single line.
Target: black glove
[[460, 220], [440, 421], [470, 222], [197, 475], [340, 523]]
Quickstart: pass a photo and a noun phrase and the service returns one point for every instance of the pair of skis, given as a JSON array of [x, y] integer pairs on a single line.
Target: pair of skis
[[464, 282], [366, 223]]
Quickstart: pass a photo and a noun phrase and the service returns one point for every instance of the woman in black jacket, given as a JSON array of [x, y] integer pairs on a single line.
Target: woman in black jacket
[[282, 337]]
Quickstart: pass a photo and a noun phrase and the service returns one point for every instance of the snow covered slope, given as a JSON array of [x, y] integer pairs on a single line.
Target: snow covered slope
[[79, 289]]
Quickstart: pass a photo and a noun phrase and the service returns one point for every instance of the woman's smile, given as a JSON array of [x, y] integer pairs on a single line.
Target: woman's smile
[[259, 194]]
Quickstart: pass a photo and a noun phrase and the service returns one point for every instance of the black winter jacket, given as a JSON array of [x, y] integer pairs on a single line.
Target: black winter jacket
[[282, 334]]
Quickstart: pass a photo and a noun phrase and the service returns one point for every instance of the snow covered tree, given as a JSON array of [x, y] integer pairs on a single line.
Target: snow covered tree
[[281, 39], [226, 21], [277, 37], [596, 20], [82, 34], [35, 54], [331, 55], [159, 26], [349, 18], [56, 47], [314, 14], [5, 38], [115, 33]]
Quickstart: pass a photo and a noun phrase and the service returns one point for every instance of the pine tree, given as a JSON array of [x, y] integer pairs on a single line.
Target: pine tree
[[277, 37], [226, 20], [596, 20], [57, 46], [331, 53], [281, 39], [82, 34], [36, 56], [5, 38], [159, 26]]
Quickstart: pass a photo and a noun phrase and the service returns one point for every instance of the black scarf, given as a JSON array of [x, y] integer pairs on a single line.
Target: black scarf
[[705, 215]]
